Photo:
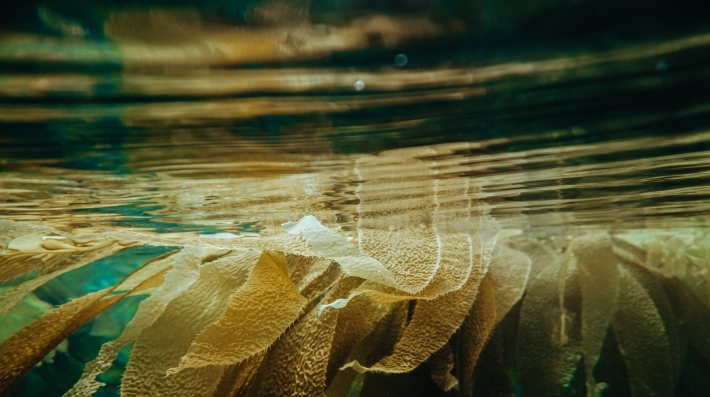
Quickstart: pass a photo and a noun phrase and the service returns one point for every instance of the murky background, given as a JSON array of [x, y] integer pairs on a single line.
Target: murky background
[[558, 117]]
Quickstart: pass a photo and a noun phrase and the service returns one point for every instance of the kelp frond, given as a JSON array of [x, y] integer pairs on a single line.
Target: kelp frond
[[253, 317]]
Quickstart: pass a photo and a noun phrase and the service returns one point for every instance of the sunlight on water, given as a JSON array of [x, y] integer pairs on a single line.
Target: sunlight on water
[[354, 199]]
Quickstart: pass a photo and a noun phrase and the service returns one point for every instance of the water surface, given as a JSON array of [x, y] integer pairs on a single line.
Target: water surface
[[152, 122]]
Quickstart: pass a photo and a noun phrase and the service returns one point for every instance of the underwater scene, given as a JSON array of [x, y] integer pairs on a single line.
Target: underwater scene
[[343, 198]]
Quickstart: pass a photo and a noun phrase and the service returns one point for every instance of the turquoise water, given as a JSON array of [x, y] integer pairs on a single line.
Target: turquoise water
[[567, 117]]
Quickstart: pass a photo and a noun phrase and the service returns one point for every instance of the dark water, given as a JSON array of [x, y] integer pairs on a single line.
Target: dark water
[[562, 117]]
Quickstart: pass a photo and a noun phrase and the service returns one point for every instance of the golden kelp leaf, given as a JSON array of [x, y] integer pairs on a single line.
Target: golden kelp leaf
[[149, 284], [671, 321], [185, 271], [692, 312], [13, 296], [312, 275], [237, 379], [540, 255], [433, 323], [25, 254], [331, 245], [458, 223], [396, 190], [24, 313], [20, 352], [376, 292], [474, 333], [16, 263], [302, 270], [629, 252], [257, 314], [440, 365], [457, 254], [314, 290], [377, 345], [30, 309], [160, 346], [380, 342], [355, 321], [599, 280], [407, 259], [159, 264], [283, 242], [411, 254], [508, 273], [549, 332], [383, 294], [296, 365], [642, 340]]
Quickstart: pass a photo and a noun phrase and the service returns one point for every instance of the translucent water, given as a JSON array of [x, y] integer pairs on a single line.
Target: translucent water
[[569, 159]]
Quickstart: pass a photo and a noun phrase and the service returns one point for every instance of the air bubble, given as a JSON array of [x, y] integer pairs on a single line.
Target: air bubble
[[400, 60], [661, 66]]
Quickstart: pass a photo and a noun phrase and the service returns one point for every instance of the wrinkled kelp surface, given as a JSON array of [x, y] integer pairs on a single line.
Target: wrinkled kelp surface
[[354, 198], [232, 317]]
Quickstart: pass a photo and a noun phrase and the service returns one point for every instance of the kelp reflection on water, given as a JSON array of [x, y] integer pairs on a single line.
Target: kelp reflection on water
[[445, 228]]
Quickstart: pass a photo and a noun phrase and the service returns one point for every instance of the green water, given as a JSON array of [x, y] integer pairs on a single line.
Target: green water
[[576, 116]]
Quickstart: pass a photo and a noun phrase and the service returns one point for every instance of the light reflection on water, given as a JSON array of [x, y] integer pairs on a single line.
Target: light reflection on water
[[601, 139], [217, 181], [183, 138]]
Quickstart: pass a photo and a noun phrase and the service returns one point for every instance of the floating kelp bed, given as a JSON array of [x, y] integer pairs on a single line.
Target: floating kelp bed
[[355, 198], [303, 311], [412, 289]]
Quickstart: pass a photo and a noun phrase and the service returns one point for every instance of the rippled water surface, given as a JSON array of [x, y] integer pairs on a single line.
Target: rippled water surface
[[188, 123], [605, 139]]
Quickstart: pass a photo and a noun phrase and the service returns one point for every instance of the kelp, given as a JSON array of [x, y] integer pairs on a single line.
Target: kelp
[[254, 316], [509, 274], [433, 322], [474, 334], [29, 345], [184, 270], [305, 346], [440, 365], [56, 258], [24, 313], [642, 341], [161, 346], [599, 282], [549, 335], [604, 285], [25, 348]]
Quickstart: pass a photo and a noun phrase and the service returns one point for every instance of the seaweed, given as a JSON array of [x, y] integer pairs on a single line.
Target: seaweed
[[252, 317]]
